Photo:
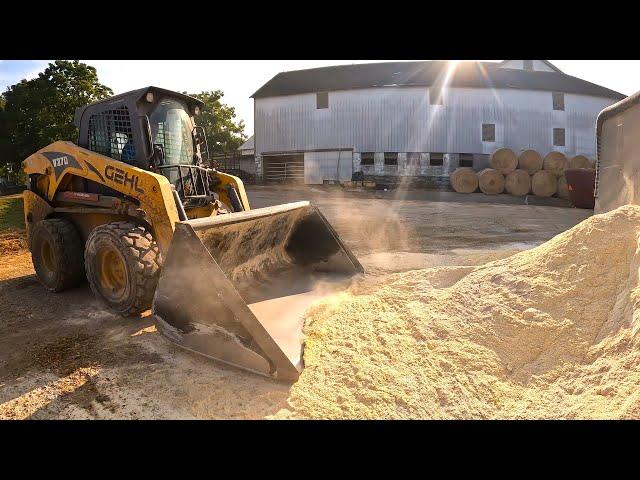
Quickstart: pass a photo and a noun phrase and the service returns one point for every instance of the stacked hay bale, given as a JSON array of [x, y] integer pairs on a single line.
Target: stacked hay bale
[[515, 169], [491, 181], [563, 189], [518, 183], [520, 175], [464, 180], [504, 160], [530, 161], [555, 163], [579, 161], [544, 183]]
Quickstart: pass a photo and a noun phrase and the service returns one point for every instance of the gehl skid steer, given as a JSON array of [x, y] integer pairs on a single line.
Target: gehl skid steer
[[133, 209]]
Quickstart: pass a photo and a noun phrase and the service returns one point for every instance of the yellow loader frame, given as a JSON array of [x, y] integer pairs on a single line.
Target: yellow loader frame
[[60, 162]]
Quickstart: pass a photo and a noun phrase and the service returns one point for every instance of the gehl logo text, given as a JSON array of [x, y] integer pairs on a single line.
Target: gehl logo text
[[122, 177]]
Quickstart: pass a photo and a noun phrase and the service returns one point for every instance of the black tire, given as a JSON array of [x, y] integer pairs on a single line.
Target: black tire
[[123, 262], [57, 254]]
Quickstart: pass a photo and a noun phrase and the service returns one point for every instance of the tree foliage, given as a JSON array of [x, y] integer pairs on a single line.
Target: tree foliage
[[37, 112], [7, 152], [224, 133], [40, 111]]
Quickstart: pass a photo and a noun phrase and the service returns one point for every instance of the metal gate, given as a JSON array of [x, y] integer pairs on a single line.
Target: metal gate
[[279, 168]]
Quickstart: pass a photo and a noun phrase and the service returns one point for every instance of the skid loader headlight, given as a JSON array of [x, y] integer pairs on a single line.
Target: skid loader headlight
[[149, 97]]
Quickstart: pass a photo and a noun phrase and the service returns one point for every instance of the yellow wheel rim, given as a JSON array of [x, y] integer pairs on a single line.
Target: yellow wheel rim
[[46, 253], [112, 273]]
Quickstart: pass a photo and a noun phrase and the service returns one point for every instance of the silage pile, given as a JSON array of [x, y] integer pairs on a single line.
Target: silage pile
[[546, 333]]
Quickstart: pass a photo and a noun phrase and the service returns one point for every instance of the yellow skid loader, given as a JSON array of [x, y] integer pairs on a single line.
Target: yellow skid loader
[[133, 208]]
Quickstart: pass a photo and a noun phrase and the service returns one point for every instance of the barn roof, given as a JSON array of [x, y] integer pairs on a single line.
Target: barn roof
[[427, 73], [249, 144], [546, 62]]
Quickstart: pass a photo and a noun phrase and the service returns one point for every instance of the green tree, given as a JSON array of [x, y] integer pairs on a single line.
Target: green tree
[[9, 169], [7, 152], [224, 133], [40, 111]]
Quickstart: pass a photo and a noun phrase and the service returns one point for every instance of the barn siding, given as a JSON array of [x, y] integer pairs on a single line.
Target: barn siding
[[402, 120]]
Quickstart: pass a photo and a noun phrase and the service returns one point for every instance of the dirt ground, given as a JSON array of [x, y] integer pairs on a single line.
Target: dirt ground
[[62, 356]]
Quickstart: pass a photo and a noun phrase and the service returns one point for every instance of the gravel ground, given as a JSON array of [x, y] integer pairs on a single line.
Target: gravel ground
[[62, 356]]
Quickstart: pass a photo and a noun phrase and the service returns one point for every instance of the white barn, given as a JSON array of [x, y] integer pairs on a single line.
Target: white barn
[[419, 119]]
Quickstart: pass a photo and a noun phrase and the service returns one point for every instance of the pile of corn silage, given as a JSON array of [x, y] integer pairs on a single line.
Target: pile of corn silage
[[546, 333]]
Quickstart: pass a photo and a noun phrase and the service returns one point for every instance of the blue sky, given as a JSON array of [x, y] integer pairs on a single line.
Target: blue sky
[[12, 71], [238, 79]]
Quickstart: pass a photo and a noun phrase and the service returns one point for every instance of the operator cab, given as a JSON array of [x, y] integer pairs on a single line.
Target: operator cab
[[153, 129]]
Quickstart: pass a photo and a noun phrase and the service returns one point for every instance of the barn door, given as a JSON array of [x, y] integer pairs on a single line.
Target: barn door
[[278, 168]]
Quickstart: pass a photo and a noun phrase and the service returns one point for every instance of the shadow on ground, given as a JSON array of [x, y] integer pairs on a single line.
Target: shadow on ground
[[62, 356]]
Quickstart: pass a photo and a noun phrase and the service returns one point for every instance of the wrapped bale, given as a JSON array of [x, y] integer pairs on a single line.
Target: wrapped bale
[[491, 181], [504, 160], [555, 162], [464, 180], [544, 183], [530, 161], [563, 190], [579, 161], [518, 183]]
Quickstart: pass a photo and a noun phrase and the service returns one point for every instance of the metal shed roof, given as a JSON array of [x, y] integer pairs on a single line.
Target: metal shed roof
[[249, 144], [428, 73]]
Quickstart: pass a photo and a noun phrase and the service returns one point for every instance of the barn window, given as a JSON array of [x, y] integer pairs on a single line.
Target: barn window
[[435, 96], [390, 158], [436, 159], [528, 64], [366, 158], [322, 100], [558, 100], [466, 160], [558, 137], [488, 132]]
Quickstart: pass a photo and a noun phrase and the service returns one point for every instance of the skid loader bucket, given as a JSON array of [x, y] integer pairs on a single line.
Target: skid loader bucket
[[232, 286]]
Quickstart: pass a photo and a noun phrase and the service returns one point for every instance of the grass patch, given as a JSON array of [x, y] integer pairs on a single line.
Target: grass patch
[[11, 215]]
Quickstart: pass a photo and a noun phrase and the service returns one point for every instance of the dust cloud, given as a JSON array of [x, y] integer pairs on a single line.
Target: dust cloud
[[383, 231]]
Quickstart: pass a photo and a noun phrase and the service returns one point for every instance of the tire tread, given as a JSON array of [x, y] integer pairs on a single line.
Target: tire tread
[[68, 244], [135, 242]]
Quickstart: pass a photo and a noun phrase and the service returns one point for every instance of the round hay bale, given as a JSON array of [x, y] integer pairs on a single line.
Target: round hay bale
[[544, 183], [563, 189], [464, 180], [504, 160], [491, 181], [579, 161], [530, 161], [518, 183], [555, 162]]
